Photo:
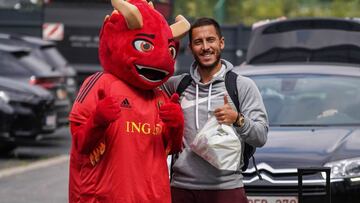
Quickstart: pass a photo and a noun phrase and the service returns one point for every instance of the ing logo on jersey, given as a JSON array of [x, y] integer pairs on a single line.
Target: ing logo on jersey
[[143, 128]]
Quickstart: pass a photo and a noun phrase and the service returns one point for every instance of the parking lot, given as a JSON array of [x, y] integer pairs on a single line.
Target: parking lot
[[52, 146], [37, 171]]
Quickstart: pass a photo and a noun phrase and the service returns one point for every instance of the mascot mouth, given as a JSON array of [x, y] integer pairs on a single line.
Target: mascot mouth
[[151, 74]]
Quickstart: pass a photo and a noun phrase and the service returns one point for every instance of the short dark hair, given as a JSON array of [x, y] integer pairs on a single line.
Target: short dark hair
[[203, 22]]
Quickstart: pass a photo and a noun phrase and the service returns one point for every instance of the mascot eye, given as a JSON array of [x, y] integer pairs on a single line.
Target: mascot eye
[[172, 51], [143, 46]]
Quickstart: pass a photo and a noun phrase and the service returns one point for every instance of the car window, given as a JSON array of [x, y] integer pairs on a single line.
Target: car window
[[34, 64], [331, 54], [53, 57], [10, 66], [310, 99]]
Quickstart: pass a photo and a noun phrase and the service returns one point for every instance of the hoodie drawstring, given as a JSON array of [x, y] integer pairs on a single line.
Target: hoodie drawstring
[[209, 100], [197, 107], [197, 104]]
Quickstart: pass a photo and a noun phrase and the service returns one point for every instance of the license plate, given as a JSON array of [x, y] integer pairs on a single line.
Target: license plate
[[272, 199], [50, 120]]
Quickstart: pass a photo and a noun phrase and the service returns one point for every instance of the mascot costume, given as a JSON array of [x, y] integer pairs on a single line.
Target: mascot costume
[[123, 126]]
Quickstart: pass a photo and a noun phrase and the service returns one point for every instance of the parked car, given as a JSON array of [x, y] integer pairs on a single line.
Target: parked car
[[6, 119], [34, 109], [308, 72], [307, 40], [46, 51], [314, 115], [17, 63]]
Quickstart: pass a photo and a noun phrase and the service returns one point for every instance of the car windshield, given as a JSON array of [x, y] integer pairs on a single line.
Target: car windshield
[[314, 100]]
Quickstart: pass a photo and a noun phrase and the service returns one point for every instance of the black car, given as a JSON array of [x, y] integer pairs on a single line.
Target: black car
[[308, 72], [6, 118], [48, 52], [17, 63], [314, 116], [34, 109]]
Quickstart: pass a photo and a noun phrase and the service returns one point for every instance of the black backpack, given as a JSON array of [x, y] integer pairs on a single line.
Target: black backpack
[[231, 87]]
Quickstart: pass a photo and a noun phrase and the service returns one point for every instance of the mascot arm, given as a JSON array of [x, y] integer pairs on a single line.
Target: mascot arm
[[173, 119], [88, 134]]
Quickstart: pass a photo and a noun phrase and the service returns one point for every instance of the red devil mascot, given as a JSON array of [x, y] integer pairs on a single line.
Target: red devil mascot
[[123, 126]]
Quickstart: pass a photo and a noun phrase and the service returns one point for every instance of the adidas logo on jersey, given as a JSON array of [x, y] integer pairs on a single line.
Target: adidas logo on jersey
[[125, 103]]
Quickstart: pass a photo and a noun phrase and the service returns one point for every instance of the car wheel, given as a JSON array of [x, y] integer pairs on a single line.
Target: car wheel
[[6, 148]]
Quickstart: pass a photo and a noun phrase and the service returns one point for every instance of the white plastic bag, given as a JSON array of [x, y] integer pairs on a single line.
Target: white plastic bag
[[218, 145]]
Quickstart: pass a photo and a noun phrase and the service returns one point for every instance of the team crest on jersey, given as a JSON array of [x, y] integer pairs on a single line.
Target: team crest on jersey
[[160, 103]]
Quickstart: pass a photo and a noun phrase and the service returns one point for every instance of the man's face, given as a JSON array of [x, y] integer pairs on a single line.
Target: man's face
[[206, 46]]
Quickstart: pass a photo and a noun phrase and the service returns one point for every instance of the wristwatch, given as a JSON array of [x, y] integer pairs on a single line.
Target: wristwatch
[[240, 120]]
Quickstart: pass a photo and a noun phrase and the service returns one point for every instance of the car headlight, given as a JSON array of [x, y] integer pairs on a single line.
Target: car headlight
[[70, 81], [347, 168], [15, 96], [4, 96]]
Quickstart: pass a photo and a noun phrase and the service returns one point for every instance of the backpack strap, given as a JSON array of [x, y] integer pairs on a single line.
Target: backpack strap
[[184, 83], [231, 88]]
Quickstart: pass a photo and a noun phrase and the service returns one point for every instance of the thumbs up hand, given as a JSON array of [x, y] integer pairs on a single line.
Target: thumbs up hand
[[225, 114], [171, 112], [172, 116], [107, 109]]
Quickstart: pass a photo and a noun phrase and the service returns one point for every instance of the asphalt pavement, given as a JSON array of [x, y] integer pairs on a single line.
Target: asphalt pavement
[[46, 184], [37, 172]]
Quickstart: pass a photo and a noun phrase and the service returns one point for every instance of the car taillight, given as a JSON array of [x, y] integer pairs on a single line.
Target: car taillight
[[47, 83]]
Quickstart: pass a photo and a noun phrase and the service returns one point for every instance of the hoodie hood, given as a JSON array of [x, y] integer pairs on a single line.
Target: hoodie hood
[[218, 76]]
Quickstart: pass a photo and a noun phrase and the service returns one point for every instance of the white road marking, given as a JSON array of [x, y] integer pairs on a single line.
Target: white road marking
[[33, 166]]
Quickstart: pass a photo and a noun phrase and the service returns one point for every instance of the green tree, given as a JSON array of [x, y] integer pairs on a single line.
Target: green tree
[[250, 11]]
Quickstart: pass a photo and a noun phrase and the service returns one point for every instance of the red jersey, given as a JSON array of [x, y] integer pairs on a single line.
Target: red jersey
[[129, 163]]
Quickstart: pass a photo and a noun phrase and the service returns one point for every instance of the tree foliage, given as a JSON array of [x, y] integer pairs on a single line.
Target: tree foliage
[[250, 11]]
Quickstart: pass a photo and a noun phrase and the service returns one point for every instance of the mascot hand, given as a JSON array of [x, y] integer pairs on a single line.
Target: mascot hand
[[171, 113], [107, 110]]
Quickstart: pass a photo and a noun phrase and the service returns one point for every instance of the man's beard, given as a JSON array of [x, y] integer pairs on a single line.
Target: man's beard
[[210, 66]]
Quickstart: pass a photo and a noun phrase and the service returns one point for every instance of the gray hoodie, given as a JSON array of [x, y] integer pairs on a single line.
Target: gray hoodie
[[198, 101]]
